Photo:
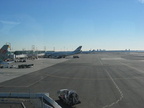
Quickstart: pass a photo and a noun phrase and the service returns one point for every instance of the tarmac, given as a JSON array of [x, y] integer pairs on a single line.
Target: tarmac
[[102, 80], [41, 63]]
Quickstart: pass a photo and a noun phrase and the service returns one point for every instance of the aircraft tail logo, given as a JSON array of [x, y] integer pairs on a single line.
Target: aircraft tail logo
[[3, 51], [78, 49]]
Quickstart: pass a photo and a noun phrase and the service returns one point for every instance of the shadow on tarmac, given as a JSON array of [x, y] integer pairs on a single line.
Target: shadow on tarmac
[[64, 105]]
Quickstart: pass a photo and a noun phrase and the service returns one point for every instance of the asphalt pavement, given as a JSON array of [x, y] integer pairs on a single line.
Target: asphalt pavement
[[102, 80]]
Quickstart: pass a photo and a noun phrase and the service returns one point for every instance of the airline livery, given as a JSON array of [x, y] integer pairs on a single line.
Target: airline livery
[[63, 54]]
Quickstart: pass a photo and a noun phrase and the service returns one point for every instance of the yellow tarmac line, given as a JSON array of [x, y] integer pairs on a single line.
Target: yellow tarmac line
[[92, 79], [62, 77]]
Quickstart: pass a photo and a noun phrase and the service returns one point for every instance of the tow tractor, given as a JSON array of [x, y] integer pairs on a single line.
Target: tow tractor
[[69, 97]]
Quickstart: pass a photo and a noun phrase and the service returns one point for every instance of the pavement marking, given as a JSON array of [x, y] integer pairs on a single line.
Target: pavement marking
[[62, 77], [2, 86], [139, 70], [121, 94], [79, 78], [91, 79], [13, 86], [36, 81]]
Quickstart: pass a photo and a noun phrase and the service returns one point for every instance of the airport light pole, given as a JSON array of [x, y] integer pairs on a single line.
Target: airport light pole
[[45, 48], [33, 48]]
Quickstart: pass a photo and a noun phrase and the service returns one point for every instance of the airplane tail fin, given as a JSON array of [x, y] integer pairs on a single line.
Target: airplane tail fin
[[78, 49], [3, 51]]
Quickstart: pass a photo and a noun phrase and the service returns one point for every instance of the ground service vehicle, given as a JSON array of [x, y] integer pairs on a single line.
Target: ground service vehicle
[[69, 97], [25, 65]]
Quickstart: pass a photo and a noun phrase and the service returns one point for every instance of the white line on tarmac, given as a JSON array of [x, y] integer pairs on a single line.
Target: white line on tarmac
[[121, 94], [139, 70]]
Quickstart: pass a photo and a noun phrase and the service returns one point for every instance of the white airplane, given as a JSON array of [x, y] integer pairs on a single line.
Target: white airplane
[[63, 54]]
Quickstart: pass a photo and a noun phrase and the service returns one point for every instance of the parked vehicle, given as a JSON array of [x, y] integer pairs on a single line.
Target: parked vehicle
[[25, 65], [69, 97]]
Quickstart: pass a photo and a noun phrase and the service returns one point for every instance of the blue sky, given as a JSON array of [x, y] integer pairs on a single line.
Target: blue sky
[[66, 24]]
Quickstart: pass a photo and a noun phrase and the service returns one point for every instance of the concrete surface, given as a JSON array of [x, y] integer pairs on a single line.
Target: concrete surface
[[102, 80], [10, 73]]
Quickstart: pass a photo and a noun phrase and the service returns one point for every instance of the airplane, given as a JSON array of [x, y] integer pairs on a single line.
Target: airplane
[[3, 52], [3, 55], [63, 54]]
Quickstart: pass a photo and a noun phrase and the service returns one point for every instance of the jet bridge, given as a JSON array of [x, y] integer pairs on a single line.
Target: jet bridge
[[47, 101]]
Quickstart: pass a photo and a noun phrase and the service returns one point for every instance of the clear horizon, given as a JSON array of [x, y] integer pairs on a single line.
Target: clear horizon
[[67, 24]]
